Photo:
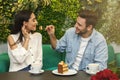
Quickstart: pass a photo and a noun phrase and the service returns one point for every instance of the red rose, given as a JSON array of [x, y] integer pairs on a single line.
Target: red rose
[[106, 74]]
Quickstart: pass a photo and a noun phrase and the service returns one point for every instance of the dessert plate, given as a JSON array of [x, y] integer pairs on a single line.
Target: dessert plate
[[41, 71], [69, 72]]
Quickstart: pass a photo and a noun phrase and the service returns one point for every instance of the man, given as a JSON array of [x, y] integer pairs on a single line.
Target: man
[[82, 43]]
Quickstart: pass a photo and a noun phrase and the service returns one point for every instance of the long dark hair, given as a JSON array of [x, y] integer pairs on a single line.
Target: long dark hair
[[19, 18]]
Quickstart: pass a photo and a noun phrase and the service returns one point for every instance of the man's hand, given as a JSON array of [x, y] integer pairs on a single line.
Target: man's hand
[[50, 30]]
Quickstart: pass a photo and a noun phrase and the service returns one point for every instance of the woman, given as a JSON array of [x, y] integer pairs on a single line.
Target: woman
[[24, 45]]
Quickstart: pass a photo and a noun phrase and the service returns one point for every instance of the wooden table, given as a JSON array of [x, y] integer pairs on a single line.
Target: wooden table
[[47, 75]]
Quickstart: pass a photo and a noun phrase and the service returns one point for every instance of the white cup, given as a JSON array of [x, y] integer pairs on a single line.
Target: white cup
[[35, 67], [92, 68]]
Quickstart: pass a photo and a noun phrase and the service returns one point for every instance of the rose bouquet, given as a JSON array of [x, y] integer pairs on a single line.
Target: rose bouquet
[[106, 74]]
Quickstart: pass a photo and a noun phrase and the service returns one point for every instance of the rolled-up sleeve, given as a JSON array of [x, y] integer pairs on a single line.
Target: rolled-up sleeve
[[62, 43], [101, 56]]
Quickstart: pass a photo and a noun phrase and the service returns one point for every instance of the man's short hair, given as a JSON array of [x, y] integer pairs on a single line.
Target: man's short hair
[[90, 16]]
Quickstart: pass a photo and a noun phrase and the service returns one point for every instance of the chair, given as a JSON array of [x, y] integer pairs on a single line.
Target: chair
[[117, 58], [4, 62], [51, 58], [111, 54]]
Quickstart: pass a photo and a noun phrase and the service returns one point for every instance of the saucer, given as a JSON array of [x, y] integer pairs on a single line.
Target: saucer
[[32, 72], [91, 73], [69, 72]]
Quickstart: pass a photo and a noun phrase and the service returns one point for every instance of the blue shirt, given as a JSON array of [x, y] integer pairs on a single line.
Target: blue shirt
[[96, 51]]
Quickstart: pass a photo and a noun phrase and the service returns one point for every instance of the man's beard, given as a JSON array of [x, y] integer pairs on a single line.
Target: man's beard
[[82, 32]]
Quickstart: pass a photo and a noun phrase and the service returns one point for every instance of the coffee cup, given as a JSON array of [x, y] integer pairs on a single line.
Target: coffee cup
[[92, 68], [35, 67]]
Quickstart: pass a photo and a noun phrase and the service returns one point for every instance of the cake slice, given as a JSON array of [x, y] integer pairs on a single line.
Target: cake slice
[[62, 67]]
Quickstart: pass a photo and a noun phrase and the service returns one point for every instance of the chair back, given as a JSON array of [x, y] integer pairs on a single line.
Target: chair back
[[111, 54], [51, 58]]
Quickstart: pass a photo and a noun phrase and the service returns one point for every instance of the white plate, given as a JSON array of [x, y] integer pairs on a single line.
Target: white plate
[[91, 73], [41, 71], [69, 72]]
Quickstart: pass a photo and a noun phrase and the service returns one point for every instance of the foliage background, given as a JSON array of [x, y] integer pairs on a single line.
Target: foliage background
[[47, 12], [62, 14]]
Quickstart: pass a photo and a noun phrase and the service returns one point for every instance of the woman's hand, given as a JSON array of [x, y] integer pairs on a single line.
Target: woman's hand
[[26, 36], [25, 33]]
